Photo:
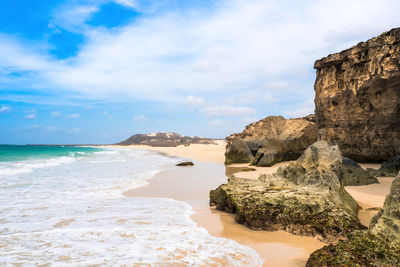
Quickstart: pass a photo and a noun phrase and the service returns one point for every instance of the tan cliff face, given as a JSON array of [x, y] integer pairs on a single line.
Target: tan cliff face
[[357, 98]]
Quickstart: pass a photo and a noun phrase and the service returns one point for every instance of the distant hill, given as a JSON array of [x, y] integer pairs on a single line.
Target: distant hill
[[164, 140]]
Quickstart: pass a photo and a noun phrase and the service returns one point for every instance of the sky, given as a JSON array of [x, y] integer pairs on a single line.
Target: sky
[[99, 71]]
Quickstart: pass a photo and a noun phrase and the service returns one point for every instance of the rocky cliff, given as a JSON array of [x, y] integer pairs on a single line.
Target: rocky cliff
[[271, 140], [379, 246], [357, 98], [306, 197], [164, 140]]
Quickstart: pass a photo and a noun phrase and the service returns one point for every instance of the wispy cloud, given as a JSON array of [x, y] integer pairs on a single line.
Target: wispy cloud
[[55, 114], [304, 109], [139, 118], [193, 101], [218, 122], [74, 130], [51, 128], [128, 3], [73, 116], [31, 116], [238, 45], [226, 110], [5, 109]]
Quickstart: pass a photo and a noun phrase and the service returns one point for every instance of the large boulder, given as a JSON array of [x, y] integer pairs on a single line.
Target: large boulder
[[304, 197], [353, 174], [357, 98], [388, 168], [379, 246], [271, 140]]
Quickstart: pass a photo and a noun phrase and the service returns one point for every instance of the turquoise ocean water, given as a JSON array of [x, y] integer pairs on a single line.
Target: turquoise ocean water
[[65, 206], [27, 152]]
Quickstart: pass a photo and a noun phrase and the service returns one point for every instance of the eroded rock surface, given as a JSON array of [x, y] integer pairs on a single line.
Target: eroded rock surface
[[271, 140], [379, 246], [388, 168], [358, 98], [304, 197], [353, 174]]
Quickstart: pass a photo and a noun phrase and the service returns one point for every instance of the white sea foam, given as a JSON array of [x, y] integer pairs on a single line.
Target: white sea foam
[[75, 214], [19, 167]]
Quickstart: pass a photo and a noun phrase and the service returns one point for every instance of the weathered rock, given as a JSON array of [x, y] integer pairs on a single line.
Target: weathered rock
[[164, 140], [357, 98], [379, 246], [304, 197], [353, 174], [185, 164], [388, 168], [271, 140]]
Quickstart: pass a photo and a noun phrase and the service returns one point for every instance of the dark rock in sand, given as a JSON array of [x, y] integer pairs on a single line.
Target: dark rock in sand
[[185, 164], [304, 198], [271, 140], [357, 98], [379, 246], [353, 174], [388, 168]]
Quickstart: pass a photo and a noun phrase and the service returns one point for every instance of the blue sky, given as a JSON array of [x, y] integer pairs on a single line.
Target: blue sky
[[98, 71]]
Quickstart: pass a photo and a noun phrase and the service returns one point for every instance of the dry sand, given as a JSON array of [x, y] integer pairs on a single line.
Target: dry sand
[[370, 197], [198, 152], [257, 170], [192, 185]]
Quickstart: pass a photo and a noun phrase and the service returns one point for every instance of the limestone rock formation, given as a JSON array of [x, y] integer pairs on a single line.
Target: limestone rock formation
[[353, 174], [357, 98], [271, 140], [164, 140], [305, 197], [379, 246], [388, 168]]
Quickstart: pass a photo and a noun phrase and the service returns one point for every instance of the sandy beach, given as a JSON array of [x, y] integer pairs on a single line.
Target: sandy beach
[[198, 152], [192, 185]]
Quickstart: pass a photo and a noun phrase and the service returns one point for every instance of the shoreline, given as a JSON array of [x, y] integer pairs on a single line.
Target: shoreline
[[214, 153], [192, 185]]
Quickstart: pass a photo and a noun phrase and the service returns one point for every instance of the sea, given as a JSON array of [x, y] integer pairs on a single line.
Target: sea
[[64, 206]]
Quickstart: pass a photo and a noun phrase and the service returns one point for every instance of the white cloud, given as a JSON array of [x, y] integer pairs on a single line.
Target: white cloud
[[51, 128], [193, 101], [128, 3], [5, 109], [218, 122], [31, 116], [278, 85], [55, 114], [72, 17], [73, 116], [226, 110], [305, 108], [34, 126], [74, 131], [239, 45], [139, 118]]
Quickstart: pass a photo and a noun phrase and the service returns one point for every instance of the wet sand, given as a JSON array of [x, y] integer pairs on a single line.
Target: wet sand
[[370, 197], [192, 185]]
